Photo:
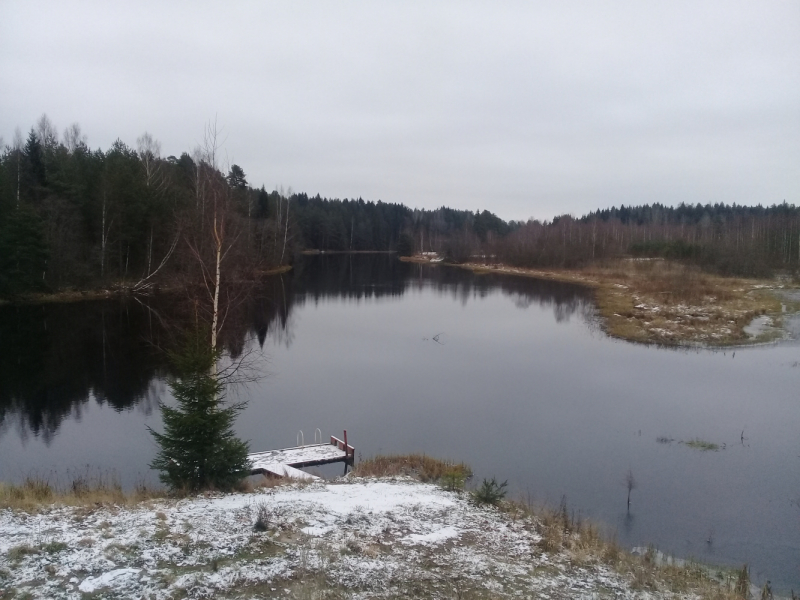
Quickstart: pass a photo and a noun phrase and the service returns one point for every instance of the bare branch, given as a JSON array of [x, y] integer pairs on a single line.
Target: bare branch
[[142, 283]]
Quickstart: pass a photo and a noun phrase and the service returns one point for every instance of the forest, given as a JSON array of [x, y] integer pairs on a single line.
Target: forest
[[129, 218]]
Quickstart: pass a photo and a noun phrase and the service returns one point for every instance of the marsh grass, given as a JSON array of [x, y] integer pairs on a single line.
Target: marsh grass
[[586, 544], [703, 445], [87, 488], [692, 305], [684, 303], [674, 282], [419, 466]]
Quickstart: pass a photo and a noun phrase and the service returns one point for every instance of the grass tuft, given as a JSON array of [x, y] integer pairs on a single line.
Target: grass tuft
[[419, 466], [18, 552], [53, 547]]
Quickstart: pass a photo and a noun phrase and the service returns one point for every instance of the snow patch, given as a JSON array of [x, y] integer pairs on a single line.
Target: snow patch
[[434, 537], [115, 577]]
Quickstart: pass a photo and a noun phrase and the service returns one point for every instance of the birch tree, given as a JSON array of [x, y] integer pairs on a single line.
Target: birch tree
[[214, 233], [149, 151], [74, 138]]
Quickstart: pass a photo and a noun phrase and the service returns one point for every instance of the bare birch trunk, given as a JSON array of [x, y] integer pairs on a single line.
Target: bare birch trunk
[[285, 232], [215, 302], [103, 239], [150, 252], [277, 226]]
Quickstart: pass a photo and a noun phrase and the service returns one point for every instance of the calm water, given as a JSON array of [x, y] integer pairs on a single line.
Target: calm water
[[521, 384]]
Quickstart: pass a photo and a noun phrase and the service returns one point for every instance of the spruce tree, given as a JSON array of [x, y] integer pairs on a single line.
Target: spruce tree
[[198, 448], [23, 252]]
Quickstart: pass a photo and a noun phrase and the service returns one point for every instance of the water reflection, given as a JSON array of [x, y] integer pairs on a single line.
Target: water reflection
[[56, 358]]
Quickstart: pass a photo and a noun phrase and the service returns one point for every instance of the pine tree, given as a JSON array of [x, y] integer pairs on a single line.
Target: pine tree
[[198, 448]]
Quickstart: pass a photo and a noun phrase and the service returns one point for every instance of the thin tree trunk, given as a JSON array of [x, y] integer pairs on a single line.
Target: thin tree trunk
[[285, 232], [277, 226], [215, 306], [103, 239], [19, 153], [150, 252]]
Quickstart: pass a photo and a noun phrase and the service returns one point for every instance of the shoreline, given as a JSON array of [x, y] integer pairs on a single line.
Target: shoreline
[[315, 252], [668, 304], [113, 291]]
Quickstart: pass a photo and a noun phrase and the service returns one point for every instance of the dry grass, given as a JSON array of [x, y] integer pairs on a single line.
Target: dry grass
[[94, 488], [584, 543], [419, 466], [670, 303], [85, 490], [675, 282]]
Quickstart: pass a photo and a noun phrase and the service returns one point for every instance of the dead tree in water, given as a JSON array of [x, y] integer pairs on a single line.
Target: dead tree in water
[[630, 482]]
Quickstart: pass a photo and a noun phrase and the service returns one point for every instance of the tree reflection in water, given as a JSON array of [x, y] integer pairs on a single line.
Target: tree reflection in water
[[55, 358]]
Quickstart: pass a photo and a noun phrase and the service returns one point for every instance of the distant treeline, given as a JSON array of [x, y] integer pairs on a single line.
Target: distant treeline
[[75, 217], [734, 240]]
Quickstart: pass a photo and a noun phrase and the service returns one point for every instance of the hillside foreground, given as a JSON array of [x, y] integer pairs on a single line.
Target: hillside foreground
[[350, 538]]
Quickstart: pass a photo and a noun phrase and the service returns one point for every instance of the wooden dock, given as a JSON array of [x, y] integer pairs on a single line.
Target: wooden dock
[[289, 461]]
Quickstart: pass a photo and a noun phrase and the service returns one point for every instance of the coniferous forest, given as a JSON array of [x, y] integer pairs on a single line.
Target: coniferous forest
[[128, 217]]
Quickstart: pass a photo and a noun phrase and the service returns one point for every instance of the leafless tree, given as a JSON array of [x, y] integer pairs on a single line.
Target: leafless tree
[[149, 151], [286, 227], [73, 137], [214, 235], [46, 132]]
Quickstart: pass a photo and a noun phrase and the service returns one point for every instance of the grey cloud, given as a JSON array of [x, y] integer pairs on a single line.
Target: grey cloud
[[527, 109]]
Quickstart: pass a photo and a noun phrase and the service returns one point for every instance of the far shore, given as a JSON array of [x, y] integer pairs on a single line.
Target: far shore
[[111, 291], [314, 252], [661, 302]]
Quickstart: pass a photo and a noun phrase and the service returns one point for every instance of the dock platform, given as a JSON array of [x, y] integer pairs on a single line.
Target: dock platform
[[288, 461]]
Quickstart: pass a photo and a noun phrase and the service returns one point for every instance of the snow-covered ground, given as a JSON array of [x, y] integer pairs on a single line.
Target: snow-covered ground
[[359, 539]]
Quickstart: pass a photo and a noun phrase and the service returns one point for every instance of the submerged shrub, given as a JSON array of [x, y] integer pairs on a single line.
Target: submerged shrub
[[703, 445]]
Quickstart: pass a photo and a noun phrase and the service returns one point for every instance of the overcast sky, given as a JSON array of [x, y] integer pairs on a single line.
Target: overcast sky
[[525, 109]]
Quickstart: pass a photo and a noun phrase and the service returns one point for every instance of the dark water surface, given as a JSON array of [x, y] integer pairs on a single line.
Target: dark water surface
[[521, 384]]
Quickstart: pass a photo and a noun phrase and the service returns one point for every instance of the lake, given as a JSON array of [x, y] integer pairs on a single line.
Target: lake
[[512, 375]]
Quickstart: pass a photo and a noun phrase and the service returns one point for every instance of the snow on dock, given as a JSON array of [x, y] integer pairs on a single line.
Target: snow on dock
[[289, 461]]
